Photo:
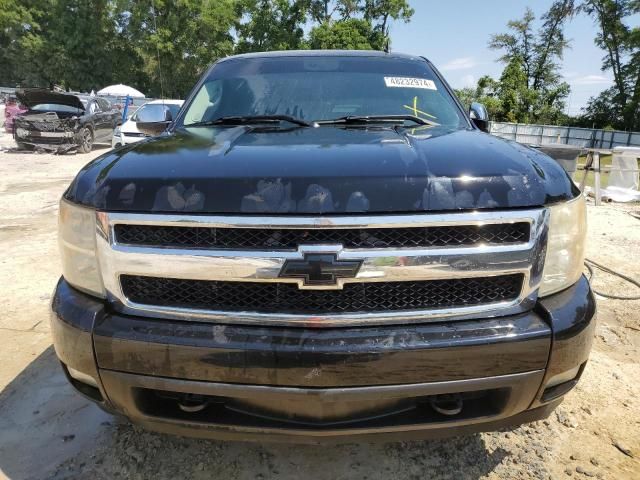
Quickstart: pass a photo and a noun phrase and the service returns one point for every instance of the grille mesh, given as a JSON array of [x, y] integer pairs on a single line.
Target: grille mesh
[[289, 239], [288, 298]]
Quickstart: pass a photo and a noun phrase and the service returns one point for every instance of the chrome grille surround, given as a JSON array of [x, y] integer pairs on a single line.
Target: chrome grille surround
[[378, 264]]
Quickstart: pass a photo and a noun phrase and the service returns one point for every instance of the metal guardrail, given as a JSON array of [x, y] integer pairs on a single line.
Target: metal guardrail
[[550, 134], [565, 144]]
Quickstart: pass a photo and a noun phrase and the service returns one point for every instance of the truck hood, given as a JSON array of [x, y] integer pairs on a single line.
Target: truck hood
[[30, 97], [325, 170]]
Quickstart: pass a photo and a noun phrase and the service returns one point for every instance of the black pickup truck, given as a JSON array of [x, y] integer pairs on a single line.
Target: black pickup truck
[[321, 246]]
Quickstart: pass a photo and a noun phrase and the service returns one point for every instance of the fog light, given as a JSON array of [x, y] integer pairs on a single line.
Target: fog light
[[82, 377], [561, 383], [563, 377]]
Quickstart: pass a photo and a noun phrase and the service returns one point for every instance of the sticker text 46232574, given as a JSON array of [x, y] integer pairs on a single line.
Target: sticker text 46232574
[[409, 82]]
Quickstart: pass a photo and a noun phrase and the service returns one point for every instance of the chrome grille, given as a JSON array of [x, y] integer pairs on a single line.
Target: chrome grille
[[413, 268], [290, 239]]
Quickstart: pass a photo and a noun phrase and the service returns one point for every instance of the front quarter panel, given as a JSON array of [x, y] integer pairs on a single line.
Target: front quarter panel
[[571, 314]]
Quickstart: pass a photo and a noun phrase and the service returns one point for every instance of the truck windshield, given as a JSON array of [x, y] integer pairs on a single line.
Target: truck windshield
[[314, 88]]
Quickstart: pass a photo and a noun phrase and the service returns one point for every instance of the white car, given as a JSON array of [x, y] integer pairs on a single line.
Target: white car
[[129, 133]]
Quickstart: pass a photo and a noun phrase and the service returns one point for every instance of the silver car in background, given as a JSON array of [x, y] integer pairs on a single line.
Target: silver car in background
[[129, 133]]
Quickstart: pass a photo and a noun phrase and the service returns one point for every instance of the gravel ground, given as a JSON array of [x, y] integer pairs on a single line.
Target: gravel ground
[[48, 432]]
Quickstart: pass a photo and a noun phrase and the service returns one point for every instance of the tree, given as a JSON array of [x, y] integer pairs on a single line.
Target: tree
[[73, 43], [271, 25], [350, 34], [485, 92], [179, 40], [551, 44], [74, 52], [603, 111], [324, 11], [20, 38], [514, 93], [533, 90], [355, 24], [466, 95], [162, 46], [618, 106], [519, 43], [381, 12]]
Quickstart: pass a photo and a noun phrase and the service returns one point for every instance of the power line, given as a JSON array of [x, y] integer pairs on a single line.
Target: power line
[[155, 26]]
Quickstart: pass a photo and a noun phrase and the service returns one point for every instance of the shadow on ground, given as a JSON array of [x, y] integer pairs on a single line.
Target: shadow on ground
[[21, 151], [42, 420], [49, 431]]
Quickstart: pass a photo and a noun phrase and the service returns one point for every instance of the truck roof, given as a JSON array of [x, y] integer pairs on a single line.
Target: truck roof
[[324, 53]]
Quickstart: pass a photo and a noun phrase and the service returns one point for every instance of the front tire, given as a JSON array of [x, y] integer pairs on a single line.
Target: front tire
[[86, 140]]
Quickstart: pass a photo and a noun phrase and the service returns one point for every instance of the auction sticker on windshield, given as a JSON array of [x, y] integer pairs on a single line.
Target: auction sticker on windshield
[[409, 82]]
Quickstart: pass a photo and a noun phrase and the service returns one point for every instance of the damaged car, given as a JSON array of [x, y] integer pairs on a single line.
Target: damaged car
[[61, 122]]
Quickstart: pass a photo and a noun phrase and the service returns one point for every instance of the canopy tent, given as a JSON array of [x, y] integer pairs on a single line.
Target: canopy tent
[[121, 91]]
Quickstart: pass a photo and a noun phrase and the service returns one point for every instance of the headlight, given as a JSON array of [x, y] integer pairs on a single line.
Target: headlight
[[77, 240], [565, 246], [116, 132]]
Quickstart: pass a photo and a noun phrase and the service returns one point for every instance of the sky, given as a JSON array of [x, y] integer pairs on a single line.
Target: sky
[[454, 34]]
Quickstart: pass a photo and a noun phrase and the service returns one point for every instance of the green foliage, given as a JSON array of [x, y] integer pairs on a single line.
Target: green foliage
[[350, 34], [619, 105], [68, 54], [20, 38], [466, 95], [161, 47], [485, 92], [183, 39], [271, 25], [381, 12], [355, 24], [518, 43], [530, 87], [378, 13], [514, 92]]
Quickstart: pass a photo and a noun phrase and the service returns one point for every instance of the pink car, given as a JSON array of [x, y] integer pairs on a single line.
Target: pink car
[[11, 110]]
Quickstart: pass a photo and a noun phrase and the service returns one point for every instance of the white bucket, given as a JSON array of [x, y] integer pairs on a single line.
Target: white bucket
[[624, 160]]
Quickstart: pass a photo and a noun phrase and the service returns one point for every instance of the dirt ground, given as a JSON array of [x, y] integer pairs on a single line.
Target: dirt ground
[[49, 432]]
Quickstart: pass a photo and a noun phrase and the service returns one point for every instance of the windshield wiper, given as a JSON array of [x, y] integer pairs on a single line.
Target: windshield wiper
[[250, 119], [364, 119]]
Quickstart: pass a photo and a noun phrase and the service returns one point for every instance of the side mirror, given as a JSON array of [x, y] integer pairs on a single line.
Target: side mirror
[[479, 116], [153, 126]]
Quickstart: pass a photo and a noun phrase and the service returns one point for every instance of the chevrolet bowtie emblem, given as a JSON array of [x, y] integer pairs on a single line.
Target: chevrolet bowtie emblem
[[320, 269]]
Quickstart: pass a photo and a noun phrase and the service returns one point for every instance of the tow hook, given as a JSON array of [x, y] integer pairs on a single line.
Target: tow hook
[[448, 404], [192, 403]]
